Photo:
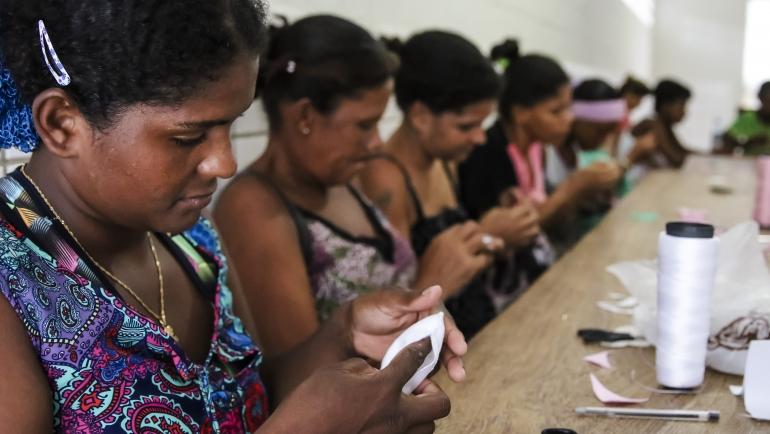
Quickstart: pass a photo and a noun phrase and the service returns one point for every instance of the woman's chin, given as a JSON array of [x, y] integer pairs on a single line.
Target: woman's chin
[[175, 224]]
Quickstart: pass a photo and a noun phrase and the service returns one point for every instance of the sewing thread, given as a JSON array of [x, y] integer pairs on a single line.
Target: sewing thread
[[687, 264]]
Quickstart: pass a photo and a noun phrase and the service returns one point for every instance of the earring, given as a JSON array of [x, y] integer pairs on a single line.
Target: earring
[[305, 131]]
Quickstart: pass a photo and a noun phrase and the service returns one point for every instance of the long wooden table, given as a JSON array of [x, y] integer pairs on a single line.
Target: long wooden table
[[525, 369]]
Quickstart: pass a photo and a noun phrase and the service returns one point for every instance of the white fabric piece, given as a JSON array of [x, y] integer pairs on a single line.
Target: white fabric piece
[[611, 307], [756, 381], [634, 343], [433, 327], [628, 329]]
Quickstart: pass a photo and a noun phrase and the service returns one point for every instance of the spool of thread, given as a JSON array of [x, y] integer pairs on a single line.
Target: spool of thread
[[687, 264], [762, 199]]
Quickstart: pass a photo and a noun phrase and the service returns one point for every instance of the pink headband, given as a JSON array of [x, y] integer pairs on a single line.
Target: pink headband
[[612, 110]]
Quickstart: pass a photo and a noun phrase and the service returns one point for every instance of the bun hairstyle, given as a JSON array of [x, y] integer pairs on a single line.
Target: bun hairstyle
[[634, 86], [323, 58], [527, 80], [505, 52], [444, 71], [393, 43]]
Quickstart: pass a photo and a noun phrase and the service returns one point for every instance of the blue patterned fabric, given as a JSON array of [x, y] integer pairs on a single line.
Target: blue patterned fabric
[[17, 130]]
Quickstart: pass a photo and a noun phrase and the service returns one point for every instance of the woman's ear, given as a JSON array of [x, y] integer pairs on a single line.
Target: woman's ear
[[62, 128], [300, 116], [421, 117]]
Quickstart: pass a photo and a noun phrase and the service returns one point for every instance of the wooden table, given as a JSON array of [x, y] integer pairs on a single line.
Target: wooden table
[[525, 369]]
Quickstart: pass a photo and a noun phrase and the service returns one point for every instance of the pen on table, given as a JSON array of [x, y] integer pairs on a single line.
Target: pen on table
[[651, 413]]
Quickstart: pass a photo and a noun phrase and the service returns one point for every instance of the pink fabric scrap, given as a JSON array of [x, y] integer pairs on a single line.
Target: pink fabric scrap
[[609, 397], [599, 359]]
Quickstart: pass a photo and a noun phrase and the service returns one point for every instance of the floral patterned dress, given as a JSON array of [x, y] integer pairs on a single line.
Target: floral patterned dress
[[110, 368], [342, 266]]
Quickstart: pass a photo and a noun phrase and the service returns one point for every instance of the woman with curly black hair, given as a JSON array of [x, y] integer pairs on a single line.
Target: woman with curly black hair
[[118, 312]]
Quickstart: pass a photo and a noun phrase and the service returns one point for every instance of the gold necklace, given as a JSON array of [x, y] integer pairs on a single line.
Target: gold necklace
[[160, 318]]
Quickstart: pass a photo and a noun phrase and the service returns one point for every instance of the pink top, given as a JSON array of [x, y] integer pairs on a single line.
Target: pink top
[[531, 182]]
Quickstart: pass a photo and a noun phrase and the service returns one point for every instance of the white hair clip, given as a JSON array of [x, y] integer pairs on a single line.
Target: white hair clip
[[59, 73]]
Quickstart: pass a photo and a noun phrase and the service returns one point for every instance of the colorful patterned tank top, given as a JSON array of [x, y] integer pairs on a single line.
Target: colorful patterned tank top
[[110, 368]]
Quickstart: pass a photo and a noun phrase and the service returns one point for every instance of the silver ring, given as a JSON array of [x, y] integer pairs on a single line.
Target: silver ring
[[488, 241]]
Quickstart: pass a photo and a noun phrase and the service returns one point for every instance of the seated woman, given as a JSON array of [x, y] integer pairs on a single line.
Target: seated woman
[[534, 109], [633, 91], [599, 110], [117, 308], [670, 109], [305, 241], [750, 133], [415, 181]]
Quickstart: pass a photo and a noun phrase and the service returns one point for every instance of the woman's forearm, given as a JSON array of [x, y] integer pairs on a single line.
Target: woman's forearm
[[329, 345]]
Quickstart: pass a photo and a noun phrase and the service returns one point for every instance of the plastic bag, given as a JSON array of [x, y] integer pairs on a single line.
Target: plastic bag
[[740, 304]]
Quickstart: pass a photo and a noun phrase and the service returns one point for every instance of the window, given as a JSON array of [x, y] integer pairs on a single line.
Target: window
[[756, 61], [643, 9]]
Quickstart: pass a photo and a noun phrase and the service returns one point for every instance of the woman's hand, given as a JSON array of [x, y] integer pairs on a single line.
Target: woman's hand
[[455, 257], [598, 177], [352, 397], [377, 319], [517, 225]]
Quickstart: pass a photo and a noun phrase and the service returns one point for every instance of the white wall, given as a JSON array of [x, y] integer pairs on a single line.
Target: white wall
[[590, 37], [701, 42], [602, 33], [698, 41]]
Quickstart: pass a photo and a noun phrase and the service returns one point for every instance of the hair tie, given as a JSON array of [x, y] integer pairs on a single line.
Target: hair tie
[[281, 65], [17, 129]]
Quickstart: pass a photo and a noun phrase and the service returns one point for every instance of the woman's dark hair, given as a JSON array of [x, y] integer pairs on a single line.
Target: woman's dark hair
[[764, 90], [527, 80], [444, 71], [594, 90], [668, 91], [505, 51], [323, 58], [634, 86], [123, 52], [394, 44]]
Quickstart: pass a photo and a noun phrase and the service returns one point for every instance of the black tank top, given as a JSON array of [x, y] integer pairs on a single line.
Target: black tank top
[[425, 228], [472, 308]]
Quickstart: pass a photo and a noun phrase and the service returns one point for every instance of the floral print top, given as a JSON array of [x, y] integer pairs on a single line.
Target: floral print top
[[342, 266], [110, 368]]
